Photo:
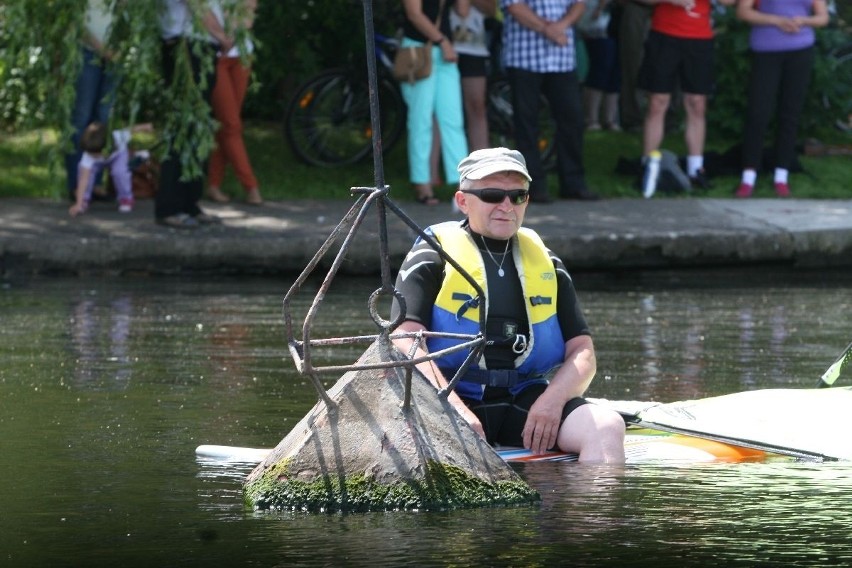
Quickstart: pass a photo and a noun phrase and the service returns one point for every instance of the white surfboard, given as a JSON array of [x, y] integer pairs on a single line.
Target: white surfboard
[[638, 448], [802, 423]]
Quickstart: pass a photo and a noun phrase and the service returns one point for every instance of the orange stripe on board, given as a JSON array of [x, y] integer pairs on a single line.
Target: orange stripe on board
[[722, 451]]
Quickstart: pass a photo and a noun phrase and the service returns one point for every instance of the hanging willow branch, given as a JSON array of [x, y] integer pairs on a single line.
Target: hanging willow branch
[[40, 58]]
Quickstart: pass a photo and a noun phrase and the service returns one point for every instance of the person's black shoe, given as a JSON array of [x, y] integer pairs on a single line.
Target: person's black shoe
[[178, 221], [582, 195], [700, 181]]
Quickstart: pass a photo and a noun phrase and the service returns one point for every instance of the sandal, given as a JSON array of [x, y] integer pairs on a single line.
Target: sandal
[[253, 197], [428, 200], [423, 195], [215, 194]]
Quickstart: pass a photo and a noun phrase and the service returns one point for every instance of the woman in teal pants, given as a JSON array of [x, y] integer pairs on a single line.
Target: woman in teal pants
[[437, 96]]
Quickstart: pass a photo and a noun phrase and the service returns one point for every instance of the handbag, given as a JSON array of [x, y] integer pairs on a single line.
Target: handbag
[[414, 62]]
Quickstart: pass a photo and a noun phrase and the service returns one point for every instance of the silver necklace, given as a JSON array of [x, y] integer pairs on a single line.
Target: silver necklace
[[500, 271]]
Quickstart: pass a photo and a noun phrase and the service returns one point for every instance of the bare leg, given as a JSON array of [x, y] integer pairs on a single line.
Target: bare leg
[[592, 105], [435, 156], [595, 433], [696, 124], [655, 122], [476, 117], [611, 111]]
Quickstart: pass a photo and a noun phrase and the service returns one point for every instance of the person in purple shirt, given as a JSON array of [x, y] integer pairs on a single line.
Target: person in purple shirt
[[782, 45]]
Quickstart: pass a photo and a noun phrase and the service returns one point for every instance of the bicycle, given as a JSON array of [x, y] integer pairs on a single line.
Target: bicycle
[[327, 122]]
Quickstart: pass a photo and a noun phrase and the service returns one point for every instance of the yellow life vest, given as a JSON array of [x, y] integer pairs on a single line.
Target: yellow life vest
[[457, 306]]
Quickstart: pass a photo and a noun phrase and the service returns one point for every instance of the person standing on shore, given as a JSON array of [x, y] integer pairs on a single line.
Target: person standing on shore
[[470, 40], [540, 59], [232, 80], [679, 50], [433, 99], [176, 201], [782, 53], [95, 87], [633, 24]]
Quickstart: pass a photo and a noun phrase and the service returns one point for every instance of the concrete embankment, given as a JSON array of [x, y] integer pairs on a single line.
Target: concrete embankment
[[38, 236]]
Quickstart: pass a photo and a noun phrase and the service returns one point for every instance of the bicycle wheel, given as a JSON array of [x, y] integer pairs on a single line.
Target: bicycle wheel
[[501, 127], [328, 121]]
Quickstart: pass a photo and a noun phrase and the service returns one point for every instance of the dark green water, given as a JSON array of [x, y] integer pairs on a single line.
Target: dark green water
[[107, 387]]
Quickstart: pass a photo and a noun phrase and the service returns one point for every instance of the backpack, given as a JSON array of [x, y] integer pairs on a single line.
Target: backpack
[[672, 178]]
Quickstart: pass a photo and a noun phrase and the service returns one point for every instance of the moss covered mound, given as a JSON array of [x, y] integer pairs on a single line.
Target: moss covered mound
[[443, 487], [373, 452]]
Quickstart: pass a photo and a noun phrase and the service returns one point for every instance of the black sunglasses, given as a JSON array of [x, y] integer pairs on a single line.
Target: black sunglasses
[[494, 195]]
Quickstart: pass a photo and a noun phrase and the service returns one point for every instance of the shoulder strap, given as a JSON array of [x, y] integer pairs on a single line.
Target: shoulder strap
[[440, 14]]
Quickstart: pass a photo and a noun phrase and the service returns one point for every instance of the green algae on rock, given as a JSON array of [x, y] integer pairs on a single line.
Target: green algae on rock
[[444, 487]]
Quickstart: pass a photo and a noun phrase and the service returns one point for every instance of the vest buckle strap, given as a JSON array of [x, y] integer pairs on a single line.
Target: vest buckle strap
[[468, 301], [494, 377]]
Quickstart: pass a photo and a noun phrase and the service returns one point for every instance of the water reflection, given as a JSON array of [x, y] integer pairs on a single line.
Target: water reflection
[[107, 387], [683, 342], [99, 341]]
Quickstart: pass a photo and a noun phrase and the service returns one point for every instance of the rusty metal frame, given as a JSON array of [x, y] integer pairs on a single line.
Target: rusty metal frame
[[301, 348]]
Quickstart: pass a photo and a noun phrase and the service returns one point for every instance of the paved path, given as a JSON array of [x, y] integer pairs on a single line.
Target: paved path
[[38, 236]]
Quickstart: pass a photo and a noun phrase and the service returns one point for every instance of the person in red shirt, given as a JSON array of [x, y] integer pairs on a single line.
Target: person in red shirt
[[679, 50]]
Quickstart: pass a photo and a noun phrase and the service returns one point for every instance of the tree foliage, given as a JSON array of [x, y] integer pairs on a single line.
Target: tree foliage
[[40, 44], [39, 55], [40, 58], [299, 39]]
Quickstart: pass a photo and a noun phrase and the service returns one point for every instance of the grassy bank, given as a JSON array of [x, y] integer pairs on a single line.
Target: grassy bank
[[32, 168]]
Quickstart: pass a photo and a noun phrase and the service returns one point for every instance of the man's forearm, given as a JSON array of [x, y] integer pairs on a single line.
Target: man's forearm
[[527, 17], [574, 376]]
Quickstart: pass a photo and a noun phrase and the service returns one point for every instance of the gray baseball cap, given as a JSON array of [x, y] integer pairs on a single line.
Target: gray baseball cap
[[489, 161]]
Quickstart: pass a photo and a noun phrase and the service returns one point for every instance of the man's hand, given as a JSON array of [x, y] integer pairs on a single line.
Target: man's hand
[[555, 33], [570, 380], [542, 425]]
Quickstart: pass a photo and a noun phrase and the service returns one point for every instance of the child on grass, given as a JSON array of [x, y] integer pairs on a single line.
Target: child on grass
[[92, 143]]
